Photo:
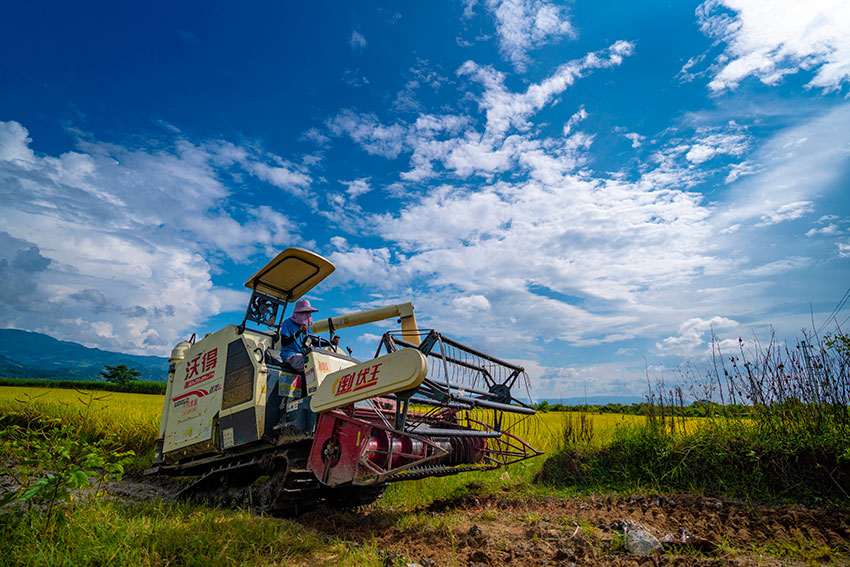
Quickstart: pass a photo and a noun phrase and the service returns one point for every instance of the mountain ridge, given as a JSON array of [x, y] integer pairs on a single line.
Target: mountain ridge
[[32, 354]]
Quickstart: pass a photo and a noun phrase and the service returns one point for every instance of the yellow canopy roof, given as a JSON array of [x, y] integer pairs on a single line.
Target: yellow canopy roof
[[290, 274]]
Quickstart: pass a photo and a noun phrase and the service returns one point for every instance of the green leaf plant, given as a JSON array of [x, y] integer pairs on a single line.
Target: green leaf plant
[[52, 464]]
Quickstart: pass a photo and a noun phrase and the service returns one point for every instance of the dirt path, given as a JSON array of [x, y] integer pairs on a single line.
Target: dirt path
[[506, 530], [500, 530]]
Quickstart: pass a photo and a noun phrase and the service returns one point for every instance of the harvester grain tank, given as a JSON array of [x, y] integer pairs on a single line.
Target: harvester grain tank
[[254, 431]]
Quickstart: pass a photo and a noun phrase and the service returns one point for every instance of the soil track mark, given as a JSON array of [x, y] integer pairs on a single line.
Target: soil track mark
[[505, 530]]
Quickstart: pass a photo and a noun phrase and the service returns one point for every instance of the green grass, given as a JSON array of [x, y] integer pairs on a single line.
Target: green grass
[[102, 532], [726, 458], [588, 452]]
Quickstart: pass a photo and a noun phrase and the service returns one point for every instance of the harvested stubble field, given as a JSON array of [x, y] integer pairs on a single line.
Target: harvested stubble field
[[494, 518]]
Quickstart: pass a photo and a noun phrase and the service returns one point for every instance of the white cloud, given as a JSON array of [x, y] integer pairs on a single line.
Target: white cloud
[[123, 232], [450, 141], [524, 25], [787, 212], [370, 267], [843, 249], [357, 41], [357, 187], [773, 38], [709, 144], [779, 267], [692, 335], [14, 144], [574, 381], [635, 138], [791, 169], [571, 236], [354, 78], [420, 75], [506, 110], [541, 226], [369, 338], [580, 115], [284, 177], [473, 302], [827, 230], [369, 133], [315, 135], [739, 170]]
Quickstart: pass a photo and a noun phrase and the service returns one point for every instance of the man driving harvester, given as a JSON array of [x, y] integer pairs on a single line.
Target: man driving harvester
[[291, 329]]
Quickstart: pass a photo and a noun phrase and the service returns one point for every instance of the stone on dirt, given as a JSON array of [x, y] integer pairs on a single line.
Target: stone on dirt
[[639, 541]]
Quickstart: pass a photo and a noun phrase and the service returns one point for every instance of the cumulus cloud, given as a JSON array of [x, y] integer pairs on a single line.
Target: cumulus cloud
[[769, 39], [21, 268], [540, 227], [452, 141], [682, 160], [505, 109], [354, 78], [828, 228], [357, 187], [692, 335], [574, 120], [282, 176], [787, 212], [524, 25], [503, 243], [357, 41], [635, 138], [113, 237], [473, 302], [371, 267], [367, 131], [710, 143]]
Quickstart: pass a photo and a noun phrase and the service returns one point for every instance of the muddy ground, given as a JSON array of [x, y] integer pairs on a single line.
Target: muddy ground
[[506, 530], [501, 530]]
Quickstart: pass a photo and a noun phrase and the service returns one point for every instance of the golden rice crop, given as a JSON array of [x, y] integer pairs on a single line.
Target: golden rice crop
[[133, 418]]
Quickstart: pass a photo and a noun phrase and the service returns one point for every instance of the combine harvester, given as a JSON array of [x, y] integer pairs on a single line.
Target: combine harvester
[[256, 432]]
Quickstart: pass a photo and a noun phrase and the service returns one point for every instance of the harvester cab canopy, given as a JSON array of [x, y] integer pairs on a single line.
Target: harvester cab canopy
[[286, 278]]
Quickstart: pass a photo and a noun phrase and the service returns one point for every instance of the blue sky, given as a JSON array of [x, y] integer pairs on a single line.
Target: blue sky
[[588, 190]]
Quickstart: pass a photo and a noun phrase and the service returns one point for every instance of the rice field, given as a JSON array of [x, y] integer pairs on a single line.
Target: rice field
[[136, 416], [134, 419]]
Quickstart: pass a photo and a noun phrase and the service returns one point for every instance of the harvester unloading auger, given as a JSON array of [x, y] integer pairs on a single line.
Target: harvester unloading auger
[[256, 432]]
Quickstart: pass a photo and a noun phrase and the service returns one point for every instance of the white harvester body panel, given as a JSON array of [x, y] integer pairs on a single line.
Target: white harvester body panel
[[221, 381], [395, 372], [196, 393], [320, 365]]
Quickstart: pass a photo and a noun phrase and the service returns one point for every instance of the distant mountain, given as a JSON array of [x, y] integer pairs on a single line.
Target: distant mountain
[[24, 354]]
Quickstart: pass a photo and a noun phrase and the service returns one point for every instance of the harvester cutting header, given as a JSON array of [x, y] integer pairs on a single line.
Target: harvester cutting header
[[259, 431]]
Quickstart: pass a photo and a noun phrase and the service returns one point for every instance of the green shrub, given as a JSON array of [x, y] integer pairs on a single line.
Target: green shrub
[[721, 460]]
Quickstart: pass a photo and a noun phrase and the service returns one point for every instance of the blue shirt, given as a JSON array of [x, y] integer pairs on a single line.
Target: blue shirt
[[290, 328]]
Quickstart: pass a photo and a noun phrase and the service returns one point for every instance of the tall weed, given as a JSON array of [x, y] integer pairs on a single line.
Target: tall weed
[[780, 432]]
